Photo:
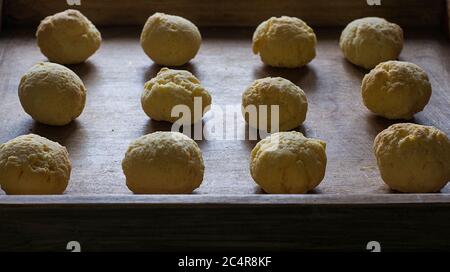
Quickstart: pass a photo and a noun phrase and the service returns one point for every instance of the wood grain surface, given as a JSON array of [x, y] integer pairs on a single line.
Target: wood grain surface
[[429, 13], [113, 117]]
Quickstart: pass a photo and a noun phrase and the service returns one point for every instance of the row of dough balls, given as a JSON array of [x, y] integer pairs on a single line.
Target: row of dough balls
[[69, 37], [54, 95], [411, 158]]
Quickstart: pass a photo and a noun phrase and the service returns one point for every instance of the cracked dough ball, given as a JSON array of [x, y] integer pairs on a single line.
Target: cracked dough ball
[[163, 163], [413, 158], [33, 165], [52, 94], [171, 88], [170, 40], [284, 42], [396, 90], [369, 41], [68, 37], [275, 91], [288, 163]]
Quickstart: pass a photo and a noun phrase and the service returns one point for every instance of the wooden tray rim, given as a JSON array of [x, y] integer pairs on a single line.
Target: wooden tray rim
[[226, 200]]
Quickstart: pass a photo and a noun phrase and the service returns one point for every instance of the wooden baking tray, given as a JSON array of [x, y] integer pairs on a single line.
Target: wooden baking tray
[[351, 207]]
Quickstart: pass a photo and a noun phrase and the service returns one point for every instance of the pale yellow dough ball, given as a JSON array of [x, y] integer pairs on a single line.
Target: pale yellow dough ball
[[33, 165], [68, 37], [284, 42], [396, 90], [163, 163], [369, 41], [170, 40], [288, 163], [52, 94], [171, 88], [413, 158], [269, 91]]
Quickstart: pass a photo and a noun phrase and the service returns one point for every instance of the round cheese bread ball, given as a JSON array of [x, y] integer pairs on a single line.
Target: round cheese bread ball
[[284, 42], [163, 163], [413, 158], [52, 94], [68, 37], [170, 40], [269, 91], [368, 41], [396, 90], [33, 165], [171, 88], [288, 163]]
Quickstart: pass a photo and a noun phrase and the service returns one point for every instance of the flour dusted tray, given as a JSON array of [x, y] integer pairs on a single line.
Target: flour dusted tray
[[351, 206]]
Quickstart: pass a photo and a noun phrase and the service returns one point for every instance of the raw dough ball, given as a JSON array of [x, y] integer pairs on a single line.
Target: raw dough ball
[[284, 42], [396, 90], [288, 163], [413, 158], [276, 91], [33, 165], [368, 41], [170, 40], [170, 88], [68, 37], [52, 94], [163, 163]]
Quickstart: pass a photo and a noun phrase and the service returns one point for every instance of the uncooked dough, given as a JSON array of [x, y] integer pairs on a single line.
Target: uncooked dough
[[396, 90], [33, 165], [413, 158], [52, 94], [163, 163], [284, 42], [366, 42], [288, 163], [170, 40], [269, 91], [68, 37], [171, 88]]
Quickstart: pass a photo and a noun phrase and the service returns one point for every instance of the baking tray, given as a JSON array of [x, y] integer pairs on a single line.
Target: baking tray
[[225, 65], [351, 206]]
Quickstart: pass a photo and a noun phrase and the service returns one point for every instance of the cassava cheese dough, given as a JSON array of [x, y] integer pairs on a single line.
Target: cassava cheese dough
[[290, 98], [68, 37], [396, 90], [163, 163], [368, 41], [288, 163], [33, 165], [170, 40], [52, 94], [413, 158], [171, 88], [284, 42]]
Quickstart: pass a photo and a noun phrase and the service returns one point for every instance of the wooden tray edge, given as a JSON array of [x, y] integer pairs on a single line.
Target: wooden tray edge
[[226, 228], [448, 18], [226, 200], [1, 14]]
